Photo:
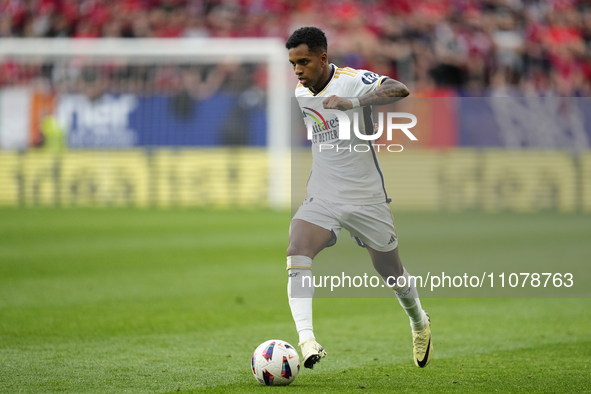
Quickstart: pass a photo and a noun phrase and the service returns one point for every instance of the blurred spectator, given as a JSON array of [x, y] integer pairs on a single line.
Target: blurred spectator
[[509, 42]]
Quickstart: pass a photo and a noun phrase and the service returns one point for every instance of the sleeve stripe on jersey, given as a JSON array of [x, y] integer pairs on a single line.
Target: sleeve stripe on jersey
[[382, 80], [346, 73], [348, 69]]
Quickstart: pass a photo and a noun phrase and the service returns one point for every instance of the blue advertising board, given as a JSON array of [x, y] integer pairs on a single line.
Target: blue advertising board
[[228, 119], [127, 120]]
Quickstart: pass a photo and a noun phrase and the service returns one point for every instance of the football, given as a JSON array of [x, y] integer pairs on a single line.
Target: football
[[275, 363]]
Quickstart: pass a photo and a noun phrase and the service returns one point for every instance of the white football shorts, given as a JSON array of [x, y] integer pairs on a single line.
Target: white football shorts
[[370, 225]]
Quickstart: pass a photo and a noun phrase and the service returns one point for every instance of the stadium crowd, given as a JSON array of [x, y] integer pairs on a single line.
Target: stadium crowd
[[466, 47]]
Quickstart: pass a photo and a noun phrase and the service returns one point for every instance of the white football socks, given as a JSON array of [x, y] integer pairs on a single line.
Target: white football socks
[[408, 296], [300, 292]]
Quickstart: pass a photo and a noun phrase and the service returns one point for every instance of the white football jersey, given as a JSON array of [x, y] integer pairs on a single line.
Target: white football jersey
[[349, 173]]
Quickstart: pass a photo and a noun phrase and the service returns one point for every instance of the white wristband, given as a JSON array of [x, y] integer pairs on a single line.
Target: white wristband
[[355, 102]]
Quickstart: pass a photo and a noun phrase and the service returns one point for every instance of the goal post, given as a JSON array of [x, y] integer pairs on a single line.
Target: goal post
[[193, 51]]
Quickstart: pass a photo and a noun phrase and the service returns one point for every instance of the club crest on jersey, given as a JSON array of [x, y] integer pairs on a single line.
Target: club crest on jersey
[[368, 78]]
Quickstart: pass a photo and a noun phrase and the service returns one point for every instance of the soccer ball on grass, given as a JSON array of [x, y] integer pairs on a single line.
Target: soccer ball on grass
[[275, 363]]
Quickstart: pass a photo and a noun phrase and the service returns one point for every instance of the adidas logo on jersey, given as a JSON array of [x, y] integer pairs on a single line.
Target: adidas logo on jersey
[[392, 239]]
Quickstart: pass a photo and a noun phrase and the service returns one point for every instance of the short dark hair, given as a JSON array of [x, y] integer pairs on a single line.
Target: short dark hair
[[311, 36]]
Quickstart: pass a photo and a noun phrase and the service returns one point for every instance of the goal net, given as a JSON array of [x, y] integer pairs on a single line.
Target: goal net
[[144, 122]]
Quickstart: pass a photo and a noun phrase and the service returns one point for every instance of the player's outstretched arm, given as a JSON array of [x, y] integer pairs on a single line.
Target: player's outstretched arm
[[389, 92]]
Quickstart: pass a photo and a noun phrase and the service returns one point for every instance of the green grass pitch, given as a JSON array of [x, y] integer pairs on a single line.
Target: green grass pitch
[[142, 301]]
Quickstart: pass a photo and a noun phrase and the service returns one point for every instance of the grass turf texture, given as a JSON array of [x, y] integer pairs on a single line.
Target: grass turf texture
[[166, 301]]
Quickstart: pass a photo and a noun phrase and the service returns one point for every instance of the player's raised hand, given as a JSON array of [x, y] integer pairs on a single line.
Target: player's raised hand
[[336, 102]]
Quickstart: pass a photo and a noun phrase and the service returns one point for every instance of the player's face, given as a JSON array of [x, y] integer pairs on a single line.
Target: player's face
[[307, 65]]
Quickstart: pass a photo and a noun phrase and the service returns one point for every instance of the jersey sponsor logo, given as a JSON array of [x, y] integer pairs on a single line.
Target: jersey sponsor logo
[[318, 118], [320, 129], [317, 123], [368, 78]]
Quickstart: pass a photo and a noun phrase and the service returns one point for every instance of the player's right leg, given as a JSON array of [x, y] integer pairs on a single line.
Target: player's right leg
[[306, 240]]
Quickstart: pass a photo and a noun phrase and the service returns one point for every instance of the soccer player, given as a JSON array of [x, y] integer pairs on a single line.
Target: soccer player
[[345, 190]]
